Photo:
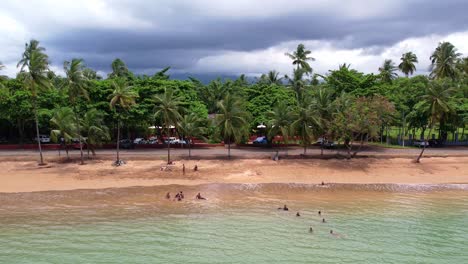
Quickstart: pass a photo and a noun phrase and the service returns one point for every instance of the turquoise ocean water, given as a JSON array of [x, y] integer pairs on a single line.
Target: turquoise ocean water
[[238, 224]]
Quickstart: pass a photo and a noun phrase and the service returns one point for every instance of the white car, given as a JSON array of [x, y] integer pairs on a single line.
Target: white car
[[43, 139], [421, 143], [139, 141], [178, 141]]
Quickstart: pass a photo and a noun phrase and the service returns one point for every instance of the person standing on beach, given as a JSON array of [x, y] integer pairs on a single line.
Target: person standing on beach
[[168, 195], [183, 169]]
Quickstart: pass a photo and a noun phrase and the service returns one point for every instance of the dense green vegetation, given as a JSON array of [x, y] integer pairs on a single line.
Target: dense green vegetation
[[344, 105]]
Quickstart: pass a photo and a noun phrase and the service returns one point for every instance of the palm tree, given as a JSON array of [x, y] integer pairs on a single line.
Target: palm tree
[[273, 78], [94, 129], [322, 106], [64, 124], [191, 126], [2, 77], [435, 103], [121, 99], [76, 84], [232, 119], [168, 109], [119, 69], [297, 83], [444, 60], [300, 58], [388, 71], [280, 121], [304, 122], [34, 65], [408, 60]]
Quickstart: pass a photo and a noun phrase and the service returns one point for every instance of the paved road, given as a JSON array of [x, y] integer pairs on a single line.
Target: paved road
[[254, 152]]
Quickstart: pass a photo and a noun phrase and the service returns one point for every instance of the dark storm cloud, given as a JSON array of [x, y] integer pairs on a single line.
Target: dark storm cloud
[[184, 38]]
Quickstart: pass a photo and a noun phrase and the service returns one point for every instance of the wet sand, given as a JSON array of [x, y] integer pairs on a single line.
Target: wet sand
[[21, 174]]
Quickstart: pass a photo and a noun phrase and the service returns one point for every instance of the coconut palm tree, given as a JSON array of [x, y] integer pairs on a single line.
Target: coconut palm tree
[[300, 58], [304, 122], [232, 119], [280, 122], [76, 85], [297, 83], [273, 78], [436, 103], [407, 65], [322, 106], [388, 71], [121, 99], [94, 129], [64, 126], [168, 108], [34, 68], [444, 60], [191, 126]]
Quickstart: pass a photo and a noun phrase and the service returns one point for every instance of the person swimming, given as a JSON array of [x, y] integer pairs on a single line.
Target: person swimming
[[331, 232], [199, 197], [195, 168], [323, 183], [311, 230], [298, 214], [319, 212], [284, 208], [168, 195], [323, 220]]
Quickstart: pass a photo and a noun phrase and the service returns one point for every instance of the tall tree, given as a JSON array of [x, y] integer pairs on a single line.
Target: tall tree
[[232, 120], [190, 126], [388, 71], [34, 65], [408, 61], [304, 122], [300, 58], [322, 106], [119, 69], [76, 85], [64, 126], [121, 99], [280, 122], [436, 103], [168, 108], [297, 83], [94, 129], [2, 77], [444, 60]]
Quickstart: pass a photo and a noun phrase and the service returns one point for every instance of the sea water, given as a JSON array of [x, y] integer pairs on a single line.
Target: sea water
[[238, 224]]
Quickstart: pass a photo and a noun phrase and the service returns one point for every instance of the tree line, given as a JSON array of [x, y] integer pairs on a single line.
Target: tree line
[[343, 105]]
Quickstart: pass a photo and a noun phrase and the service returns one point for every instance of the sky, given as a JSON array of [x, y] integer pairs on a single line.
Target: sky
[[222, 37]]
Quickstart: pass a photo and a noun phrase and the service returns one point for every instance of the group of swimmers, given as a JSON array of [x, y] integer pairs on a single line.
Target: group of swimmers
[[180, 196], [311, 230]]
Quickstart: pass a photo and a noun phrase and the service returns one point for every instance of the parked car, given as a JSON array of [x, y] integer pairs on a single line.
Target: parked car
[[43, 139], [169, 140], [435, 143], [329, 144], [139, 141], [420, 143], [178, 141], [260, 140], [126, 144]]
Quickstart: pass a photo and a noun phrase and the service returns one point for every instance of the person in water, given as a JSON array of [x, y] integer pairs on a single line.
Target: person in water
[[323, 183], [195, 168], [298, 214], [284, 208], [331, 232], [168, 195], [181, 195], [311, 230], [323, 220], [199, 197], [320, 212]]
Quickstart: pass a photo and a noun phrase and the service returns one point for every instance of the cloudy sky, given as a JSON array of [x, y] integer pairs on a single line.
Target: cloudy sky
[[230, 37]]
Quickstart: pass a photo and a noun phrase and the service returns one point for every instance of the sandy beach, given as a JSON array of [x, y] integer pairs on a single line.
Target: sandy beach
[[21, 174]]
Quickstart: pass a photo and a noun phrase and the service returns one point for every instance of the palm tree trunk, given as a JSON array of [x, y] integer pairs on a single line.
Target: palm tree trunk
[[79, 134], [168, 144], [305, 149], [37, 131], [418, 160], [229, 148], [117, 162], [189, 148], [321, 147]]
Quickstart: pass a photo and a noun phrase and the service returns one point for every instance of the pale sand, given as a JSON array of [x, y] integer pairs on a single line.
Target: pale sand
[[23, 175]]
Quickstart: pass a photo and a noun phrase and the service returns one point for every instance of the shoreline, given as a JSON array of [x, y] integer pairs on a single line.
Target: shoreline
[[21, 173]]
